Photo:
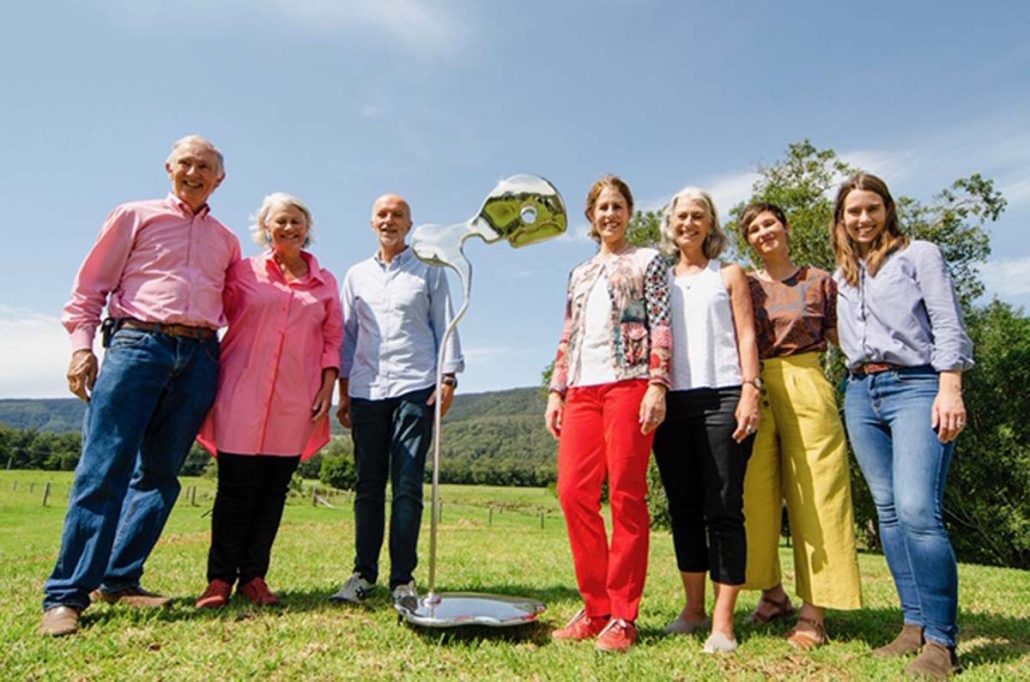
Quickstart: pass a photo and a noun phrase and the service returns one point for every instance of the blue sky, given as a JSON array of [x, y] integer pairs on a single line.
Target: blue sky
[[338, 102]]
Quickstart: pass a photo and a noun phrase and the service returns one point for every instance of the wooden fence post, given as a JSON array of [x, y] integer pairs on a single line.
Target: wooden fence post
[[193, 496], [541, 520], [490, 518], [32, 488], [46, 493], [314, 496]]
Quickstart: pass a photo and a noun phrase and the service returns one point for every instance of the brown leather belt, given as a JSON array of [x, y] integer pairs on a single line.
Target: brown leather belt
[[875, 368], [170, 329]]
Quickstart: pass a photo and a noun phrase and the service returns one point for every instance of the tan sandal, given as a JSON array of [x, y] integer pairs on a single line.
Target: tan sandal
[[781, 609], [803, 640]]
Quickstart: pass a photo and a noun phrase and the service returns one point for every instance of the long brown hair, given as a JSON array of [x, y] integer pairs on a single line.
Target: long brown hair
[[845, 249]]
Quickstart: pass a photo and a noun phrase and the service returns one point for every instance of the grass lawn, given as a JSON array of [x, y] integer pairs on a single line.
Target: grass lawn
[[310, 638]]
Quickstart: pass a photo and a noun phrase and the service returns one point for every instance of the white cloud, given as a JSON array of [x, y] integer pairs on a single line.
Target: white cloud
[[370, 112], [484, 353], [1016, 190], [729, 190], [1007, 277], [896, 165], [34, 353], [416, 24]]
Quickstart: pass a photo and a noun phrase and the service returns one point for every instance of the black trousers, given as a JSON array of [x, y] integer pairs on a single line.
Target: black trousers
[[249, 505], [702, 470]]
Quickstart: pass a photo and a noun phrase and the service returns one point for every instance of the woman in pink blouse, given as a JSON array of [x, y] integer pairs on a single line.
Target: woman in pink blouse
[[279, 361]]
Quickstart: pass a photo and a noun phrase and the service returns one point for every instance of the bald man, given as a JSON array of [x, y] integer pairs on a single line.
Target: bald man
[[395, 311]]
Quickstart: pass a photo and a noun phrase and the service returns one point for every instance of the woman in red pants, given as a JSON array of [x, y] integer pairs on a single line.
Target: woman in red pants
[[607, 396]]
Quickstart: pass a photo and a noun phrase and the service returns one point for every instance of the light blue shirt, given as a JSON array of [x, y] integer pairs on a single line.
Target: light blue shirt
[[908, 314], [394, 318]]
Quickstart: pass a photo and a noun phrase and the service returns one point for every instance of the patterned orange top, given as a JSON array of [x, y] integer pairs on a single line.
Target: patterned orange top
[[794, 316]]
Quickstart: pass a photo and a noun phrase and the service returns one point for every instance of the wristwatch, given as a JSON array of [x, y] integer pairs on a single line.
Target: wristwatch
[[449, 380], [756, 382]]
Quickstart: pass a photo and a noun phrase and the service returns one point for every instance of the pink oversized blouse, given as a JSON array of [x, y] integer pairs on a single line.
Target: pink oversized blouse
[[281, 336]]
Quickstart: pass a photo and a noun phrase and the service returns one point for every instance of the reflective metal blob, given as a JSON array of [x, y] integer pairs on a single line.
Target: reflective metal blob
[[454, 609], [523, 209]]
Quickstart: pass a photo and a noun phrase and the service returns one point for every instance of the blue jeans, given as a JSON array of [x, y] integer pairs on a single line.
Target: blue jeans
[[149, 401], [905, 465], [391, 439]]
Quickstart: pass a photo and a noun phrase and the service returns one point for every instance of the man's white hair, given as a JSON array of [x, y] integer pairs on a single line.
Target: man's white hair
[[204, 142]]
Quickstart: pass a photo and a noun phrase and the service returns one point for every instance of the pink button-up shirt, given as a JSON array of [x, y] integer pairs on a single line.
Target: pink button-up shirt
[[281, 336], [160, 262]]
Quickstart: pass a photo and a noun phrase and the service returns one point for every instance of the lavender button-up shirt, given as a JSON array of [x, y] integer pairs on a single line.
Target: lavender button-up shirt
[[394, 318], [908, 314]]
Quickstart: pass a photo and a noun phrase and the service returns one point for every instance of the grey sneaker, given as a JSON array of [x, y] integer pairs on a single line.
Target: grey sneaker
[[354, 590], [406, 596]]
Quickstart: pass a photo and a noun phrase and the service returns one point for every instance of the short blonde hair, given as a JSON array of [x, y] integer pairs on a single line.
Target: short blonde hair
[[271, 202], [715, 242]]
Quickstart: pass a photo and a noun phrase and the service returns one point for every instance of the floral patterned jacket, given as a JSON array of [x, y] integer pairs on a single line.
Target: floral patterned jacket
[[641, 340]]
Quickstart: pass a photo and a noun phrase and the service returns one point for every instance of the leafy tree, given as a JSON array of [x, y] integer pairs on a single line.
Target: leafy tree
[[987, 501], [338, 465], [986, 507]]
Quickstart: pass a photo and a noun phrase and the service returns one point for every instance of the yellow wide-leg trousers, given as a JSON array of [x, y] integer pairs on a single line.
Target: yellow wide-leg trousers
[[800, 457]]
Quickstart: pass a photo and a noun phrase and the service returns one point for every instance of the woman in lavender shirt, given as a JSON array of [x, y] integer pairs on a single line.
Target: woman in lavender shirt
[[900, 327]]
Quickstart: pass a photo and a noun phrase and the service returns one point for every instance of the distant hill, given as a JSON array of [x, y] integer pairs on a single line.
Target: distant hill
[[57, 415], [483, 431]]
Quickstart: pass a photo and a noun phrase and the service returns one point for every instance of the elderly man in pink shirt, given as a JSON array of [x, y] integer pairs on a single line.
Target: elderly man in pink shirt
[[160, 268]]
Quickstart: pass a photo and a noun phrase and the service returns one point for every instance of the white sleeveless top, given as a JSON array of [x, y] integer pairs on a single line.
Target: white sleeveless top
[[595, 352], [704, 341]]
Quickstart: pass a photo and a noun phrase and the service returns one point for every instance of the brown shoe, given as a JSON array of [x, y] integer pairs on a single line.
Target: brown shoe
[[935, 661], [133, 595], [60, 621], [777, 610], [908, 642], [257, 592], [215, 596], [808, 634]]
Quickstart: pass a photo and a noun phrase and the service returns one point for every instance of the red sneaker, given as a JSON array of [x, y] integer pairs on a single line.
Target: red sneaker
[[256, 590], [215, 596], [619, 635], [581, 627]]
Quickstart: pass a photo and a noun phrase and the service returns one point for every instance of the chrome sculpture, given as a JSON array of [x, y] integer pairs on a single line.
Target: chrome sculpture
[[523, 210]]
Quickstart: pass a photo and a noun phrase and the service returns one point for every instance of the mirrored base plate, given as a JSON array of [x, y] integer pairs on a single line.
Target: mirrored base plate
[[454, 609]]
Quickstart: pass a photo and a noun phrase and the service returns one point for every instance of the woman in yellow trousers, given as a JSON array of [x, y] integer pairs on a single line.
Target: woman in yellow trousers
[[799, 455]]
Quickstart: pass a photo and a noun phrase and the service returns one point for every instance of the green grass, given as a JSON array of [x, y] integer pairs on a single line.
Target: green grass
[[313, 639]]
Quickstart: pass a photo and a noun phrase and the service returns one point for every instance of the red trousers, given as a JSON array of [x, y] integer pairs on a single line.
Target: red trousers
[[600, 437]]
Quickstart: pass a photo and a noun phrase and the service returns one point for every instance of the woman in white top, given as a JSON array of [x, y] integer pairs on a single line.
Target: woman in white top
[[704, 443]]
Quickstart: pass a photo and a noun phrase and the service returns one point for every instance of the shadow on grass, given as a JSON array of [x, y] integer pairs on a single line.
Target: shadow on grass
[[984, 637]]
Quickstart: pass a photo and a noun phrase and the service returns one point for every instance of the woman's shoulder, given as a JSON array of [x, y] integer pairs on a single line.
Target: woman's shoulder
[[813, 274], [246, 266], [920, 248]]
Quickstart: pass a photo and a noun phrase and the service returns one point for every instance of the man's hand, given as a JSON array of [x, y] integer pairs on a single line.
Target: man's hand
[[447, 394], [343, 411], [82, 373]]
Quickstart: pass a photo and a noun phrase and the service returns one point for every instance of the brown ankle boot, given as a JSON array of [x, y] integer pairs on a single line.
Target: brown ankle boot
[[908, 641], [936, 662]]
